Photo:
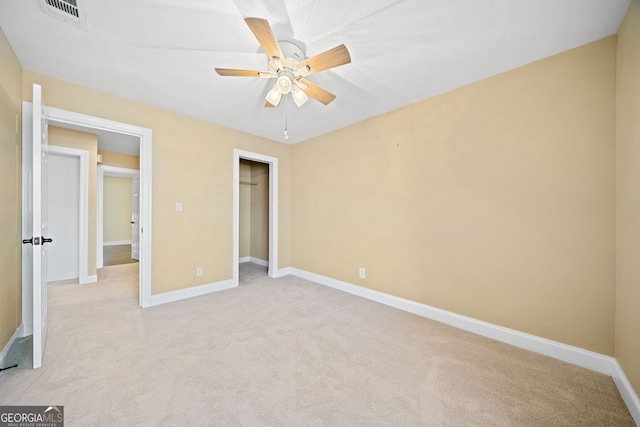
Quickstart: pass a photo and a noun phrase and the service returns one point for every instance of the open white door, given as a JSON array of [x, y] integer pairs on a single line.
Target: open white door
[[135, 217], [38, 213]]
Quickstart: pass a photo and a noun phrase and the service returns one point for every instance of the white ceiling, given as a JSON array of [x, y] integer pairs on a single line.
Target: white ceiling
[[162, 52]]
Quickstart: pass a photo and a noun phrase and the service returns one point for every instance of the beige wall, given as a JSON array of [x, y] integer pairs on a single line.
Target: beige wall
[[184, 150], [87, 142], [494, 201], [244, 190], [119, 160], [117, 209], [628, 200], [10, 192], [260, 211]]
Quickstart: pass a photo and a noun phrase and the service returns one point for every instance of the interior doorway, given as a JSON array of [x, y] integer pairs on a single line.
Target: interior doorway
[[118, 216], [259, 179], [253, 247], [143, 137]]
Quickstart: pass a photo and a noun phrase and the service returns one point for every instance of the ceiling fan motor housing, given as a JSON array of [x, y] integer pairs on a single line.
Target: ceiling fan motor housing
[[293, 49]]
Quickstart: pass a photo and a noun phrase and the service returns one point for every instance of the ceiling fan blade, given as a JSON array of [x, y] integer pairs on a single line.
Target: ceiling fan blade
[[263, 33], [268, 104], [238, 73], [317, 93], [335, 57]]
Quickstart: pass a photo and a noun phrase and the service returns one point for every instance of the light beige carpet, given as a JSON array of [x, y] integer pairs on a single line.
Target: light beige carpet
[[287, 352]]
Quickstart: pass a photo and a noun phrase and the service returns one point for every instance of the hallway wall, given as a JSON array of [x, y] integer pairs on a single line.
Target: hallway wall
[[10, 192]]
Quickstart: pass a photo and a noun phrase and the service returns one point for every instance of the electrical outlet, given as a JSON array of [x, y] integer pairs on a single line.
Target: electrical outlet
[[178, 206], [199, 271], [362, 273]]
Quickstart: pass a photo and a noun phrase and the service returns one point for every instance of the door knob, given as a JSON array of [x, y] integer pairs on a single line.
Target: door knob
[[36, 241]]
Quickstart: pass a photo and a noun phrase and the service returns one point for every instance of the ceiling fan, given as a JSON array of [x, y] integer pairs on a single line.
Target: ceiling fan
[[289, 72]]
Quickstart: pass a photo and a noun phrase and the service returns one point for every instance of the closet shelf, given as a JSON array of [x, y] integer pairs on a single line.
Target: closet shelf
[[248, 183]]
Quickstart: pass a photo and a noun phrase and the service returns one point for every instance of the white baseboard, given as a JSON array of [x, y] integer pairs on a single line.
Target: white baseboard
[[88, 279], [626, 391], [575, 355], [195, 291], [82, 280], [27, 327], [254, 260], [282, 272], [116, 243], [57, 277], [19, 333], [259, 261]]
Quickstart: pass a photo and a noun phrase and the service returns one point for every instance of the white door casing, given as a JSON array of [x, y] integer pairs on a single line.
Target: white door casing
[[273, 209], [27, 220], [115, 172], [61, 117], [56, 116], [135, 217], [39, 227]]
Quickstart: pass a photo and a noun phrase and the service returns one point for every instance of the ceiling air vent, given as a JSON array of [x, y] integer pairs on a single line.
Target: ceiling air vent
[[67, 10]]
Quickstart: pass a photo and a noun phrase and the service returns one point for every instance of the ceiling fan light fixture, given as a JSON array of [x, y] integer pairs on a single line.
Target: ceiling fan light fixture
[[299, 97], [284, 83], [288, 65], [274, 96]]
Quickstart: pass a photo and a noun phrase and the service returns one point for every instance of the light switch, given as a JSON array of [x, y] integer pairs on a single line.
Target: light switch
[[178, 206]]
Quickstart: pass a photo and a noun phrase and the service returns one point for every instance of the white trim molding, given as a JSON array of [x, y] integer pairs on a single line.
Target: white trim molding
[[282, 272], [603, 364], [273, 209], [626, 391], [111, 171], [195, 291], [259, 261], [19, 333], [570, 354], [116, 243], [59, 117], [254, 260]]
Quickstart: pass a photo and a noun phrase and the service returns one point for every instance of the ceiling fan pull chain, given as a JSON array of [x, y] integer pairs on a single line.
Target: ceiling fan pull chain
[[286, 111]]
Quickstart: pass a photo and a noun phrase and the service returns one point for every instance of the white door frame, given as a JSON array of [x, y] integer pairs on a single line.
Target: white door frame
[[118, 172], [273, 209], [59, 116], [83, 223]]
